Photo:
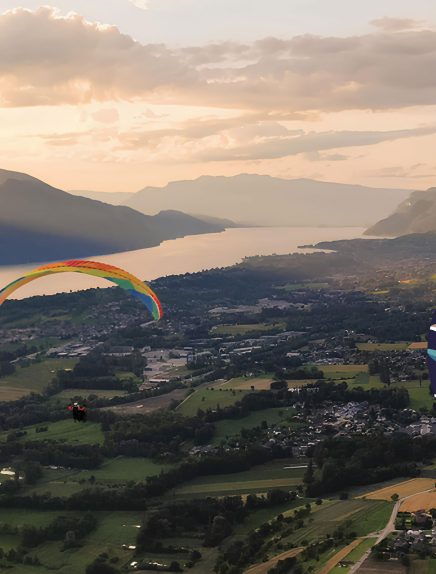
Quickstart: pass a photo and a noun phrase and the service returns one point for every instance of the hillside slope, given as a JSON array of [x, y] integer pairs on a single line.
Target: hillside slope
[[39, 223], [417, 214]]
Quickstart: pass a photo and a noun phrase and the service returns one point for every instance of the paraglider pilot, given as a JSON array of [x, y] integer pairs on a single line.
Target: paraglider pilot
[[78, 411]]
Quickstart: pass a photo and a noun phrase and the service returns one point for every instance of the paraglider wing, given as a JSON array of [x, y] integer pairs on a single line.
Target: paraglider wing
[[116, 275], [431, 354]]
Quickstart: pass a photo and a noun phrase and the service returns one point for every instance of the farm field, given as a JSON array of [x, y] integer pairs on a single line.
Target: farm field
[[356, 554], [332, 563], [382, 346], [257, 479], [35, 377], [353, 374], [260, 383], [418, 345], [366, 516], [349, 370], [65, 431], [403, 489], [266, 566], [425, 500], [422, 566], [232, 427], [373, 567], [209, 399], [244, 329], [149, 405]]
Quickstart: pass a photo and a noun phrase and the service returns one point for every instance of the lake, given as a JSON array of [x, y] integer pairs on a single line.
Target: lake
[[185, 255]]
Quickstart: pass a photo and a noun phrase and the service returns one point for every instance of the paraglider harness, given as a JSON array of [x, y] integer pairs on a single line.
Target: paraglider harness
[[79, 412]]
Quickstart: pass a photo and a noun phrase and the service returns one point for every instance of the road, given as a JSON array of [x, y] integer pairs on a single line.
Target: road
[[388, 529]]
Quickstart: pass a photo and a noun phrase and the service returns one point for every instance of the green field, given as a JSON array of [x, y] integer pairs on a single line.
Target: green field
[[366, 517], [34, 378], [354, 556], [209, 399], [247, 328], [114, 529], [258, 479], [382, 346], [232, 427], [259, 382], [418, 392], [65, 431], [64, 482], [351, 373]]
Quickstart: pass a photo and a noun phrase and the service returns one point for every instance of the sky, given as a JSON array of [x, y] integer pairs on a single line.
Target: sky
[[115, 95]]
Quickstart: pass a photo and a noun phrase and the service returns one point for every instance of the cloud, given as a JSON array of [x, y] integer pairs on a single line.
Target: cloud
[[396, 24], [106, 116], [246, 138], [46, 59], [317, 156], [308, 142], [142, 4], [400, 171]]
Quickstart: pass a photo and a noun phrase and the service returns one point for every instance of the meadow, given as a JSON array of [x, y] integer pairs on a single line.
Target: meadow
[[113, 530], [232, 427], [258, 479], [209, 398], [34, 378], [366, 516], [65, 431], [64, 482]]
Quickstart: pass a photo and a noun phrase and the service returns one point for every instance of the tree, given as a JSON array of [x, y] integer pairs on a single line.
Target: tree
[[32, 472]]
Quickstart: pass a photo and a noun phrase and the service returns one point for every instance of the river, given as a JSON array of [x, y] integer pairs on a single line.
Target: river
[[185, 255]]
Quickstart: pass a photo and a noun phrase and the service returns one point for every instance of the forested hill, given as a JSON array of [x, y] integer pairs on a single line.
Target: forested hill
[[39, 223]]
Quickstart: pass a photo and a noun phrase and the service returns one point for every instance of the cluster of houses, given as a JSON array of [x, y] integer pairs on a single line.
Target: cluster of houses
[[424, 426], [420, 538]]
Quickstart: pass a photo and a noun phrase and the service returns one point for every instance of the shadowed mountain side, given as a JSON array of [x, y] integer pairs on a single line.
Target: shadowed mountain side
[[5, 174], [52, 224], [265, 200], [417, 214], [114, 198], [34, 246]]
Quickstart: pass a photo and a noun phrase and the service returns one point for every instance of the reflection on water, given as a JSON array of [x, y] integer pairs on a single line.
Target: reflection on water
[[185, 255]]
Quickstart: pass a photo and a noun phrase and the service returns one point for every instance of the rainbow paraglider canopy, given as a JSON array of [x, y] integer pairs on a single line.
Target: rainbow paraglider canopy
[[114, 274]]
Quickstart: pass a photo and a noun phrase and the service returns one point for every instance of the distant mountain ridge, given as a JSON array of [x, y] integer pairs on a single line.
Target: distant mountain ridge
[[113, 198], [41, 223], [417, 214], [263, 200]]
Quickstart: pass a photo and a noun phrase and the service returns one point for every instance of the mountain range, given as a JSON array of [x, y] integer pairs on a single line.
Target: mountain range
[[268, 201], [417, 214], [41, 223]]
